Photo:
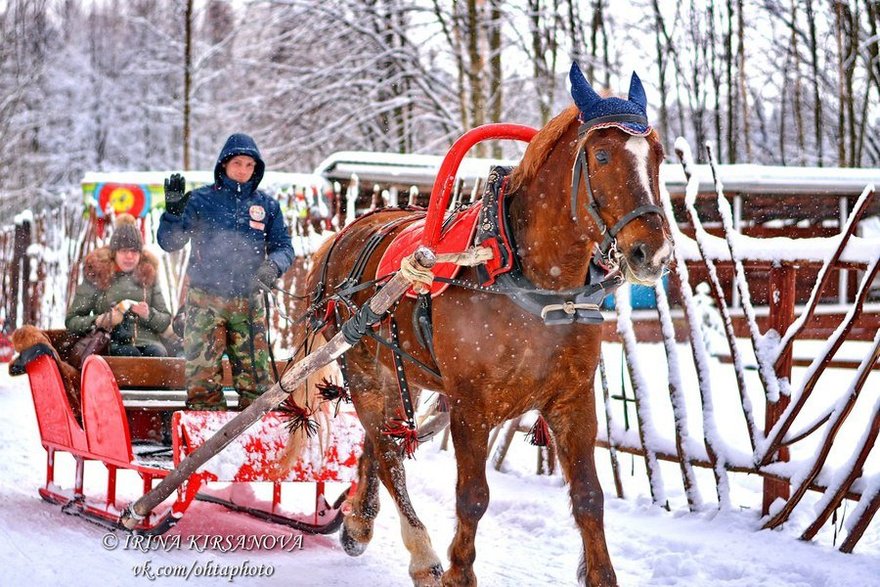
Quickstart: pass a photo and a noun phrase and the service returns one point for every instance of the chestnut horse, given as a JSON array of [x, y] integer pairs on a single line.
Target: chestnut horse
[[497, 360]]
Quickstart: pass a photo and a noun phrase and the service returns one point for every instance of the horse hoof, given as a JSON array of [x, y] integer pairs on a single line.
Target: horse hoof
[[350, 545], [453, 578], [429, 577]]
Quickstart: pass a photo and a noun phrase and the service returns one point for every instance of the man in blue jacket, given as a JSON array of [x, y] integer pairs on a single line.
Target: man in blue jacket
[[239, 245]]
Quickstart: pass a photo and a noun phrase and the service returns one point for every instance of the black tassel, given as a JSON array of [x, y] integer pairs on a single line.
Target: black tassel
[[329, 391], [298, 417]]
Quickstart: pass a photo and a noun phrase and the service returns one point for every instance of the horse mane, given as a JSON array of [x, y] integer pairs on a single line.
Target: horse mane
[[539, 148]]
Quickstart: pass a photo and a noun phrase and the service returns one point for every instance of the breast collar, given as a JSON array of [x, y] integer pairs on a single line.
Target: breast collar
[[504, 271]]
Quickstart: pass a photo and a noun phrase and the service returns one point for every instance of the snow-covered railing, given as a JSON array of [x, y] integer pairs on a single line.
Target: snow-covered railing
[[37, 255], [786, 423]]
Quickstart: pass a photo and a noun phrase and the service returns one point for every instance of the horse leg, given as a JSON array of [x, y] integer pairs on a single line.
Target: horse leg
[[574, 426], [357, 527], [425, 567], [381, 460], [470, 440]]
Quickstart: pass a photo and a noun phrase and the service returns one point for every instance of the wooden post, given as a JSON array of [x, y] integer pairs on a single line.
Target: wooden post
[[187, 82], [782, 298], [21, 269]]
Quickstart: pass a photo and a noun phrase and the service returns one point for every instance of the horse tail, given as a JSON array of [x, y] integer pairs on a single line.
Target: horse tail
[[307, 443]]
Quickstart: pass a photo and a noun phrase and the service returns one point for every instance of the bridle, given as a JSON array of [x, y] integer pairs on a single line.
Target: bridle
[[582, 169]]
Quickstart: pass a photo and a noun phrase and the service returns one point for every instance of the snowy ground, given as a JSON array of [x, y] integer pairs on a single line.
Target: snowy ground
[[527, 537]]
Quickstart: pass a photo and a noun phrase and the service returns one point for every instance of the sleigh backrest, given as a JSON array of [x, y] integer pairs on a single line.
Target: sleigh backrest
[[106, 424], [58, 427]]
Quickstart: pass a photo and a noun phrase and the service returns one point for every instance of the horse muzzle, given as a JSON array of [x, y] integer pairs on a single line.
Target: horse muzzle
[[644, 263]]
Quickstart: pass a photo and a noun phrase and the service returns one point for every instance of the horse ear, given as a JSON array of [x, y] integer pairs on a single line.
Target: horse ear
[[583, 93], [637, 92]]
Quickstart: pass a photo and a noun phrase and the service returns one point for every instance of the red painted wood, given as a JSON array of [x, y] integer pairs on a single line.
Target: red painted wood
[[58, 427], [782, 301], [455, 239], [445, 181], [104, 416]]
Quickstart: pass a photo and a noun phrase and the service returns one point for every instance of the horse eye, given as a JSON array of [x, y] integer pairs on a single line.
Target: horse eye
[[602, 157]]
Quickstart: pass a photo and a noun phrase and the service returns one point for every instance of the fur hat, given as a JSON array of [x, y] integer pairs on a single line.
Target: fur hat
[[126, 234]]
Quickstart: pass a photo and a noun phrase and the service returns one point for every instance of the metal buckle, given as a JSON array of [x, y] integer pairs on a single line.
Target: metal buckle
[[570, 308]]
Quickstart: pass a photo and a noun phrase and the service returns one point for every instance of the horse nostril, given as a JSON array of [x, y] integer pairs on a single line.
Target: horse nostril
[[638, 255]]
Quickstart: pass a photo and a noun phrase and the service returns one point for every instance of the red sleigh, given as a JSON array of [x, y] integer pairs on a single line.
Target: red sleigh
[[104, 437]]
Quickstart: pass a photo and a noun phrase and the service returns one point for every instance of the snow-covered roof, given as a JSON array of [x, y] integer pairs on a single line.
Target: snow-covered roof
[[760, 179], [772, 179], [395, 168]]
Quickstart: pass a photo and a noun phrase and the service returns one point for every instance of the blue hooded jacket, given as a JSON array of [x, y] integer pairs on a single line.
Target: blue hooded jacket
[[233, 227]]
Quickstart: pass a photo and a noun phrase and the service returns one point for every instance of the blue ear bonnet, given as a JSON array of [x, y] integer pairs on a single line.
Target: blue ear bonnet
[[629, 115]]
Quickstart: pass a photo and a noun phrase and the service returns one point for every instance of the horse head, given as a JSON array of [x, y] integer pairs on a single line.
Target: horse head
[[615, 180]]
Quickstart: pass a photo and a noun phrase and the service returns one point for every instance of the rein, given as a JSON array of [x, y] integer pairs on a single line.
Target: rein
[[582, 170]]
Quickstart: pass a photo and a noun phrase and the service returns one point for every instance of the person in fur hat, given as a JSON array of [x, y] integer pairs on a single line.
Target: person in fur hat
[[120, 293]]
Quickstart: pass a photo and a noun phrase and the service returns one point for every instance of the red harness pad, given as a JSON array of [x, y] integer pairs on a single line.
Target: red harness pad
[[456, 237]]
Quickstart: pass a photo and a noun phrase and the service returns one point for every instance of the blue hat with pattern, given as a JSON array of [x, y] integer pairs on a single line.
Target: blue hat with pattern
[[628, 115]]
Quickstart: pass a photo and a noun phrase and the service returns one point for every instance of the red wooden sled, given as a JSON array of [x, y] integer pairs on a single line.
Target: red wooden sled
[[104, 436]]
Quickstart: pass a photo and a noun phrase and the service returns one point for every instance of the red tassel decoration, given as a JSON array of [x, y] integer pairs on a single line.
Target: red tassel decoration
[[405, 435], [539, 435], [298, 417]]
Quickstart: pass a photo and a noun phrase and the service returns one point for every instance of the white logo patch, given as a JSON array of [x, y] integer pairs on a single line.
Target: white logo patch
[[257, 213]]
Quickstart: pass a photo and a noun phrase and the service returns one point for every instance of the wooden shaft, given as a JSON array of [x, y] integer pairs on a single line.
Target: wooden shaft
[[292, 378]]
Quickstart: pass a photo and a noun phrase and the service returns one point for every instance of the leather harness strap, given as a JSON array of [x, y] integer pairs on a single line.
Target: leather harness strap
[[554, 307]]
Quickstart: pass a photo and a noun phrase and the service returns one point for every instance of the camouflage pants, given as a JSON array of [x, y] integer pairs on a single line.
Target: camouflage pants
[[236, 326]]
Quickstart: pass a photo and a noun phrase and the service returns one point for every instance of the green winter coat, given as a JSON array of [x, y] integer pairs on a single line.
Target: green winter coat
[[104, 285]]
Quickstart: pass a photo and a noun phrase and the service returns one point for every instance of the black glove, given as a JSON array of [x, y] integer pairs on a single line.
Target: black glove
[[175, 199], [265, 277], [124, 332]]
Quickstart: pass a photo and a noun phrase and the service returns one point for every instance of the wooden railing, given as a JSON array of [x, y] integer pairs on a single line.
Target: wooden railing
[[785, 424]]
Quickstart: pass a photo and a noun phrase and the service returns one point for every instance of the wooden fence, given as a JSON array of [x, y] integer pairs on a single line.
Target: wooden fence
[[786, 423], [41, 259]]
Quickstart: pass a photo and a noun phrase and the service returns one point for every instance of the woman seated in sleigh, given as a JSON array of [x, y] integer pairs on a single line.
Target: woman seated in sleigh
[[120, 294]]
